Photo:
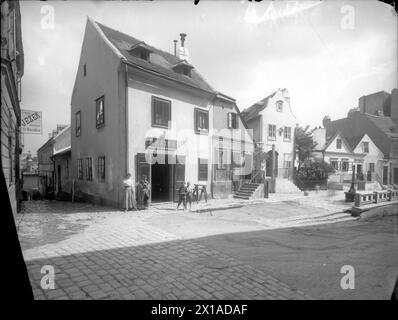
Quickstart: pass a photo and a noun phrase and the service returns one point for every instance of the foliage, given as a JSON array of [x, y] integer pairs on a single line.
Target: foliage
[[303, 143], [314, 170]]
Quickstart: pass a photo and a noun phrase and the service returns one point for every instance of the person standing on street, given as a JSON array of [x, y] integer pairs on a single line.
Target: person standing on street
[[128, 201], [189, 194], [182, 192]]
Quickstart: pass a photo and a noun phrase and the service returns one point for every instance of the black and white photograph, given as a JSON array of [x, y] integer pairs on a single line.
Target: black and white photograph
[[201, 150]]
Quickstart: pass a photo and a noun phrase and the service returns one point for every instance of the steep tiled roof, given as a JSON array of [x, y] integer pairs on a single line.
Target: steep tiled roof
[[385, 124], [160, 61], [256, 108], [353, 141]]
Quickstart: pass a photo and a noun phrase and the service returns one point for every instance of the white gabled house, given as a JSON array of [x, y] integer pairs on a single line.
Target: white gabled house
[[273, 124]]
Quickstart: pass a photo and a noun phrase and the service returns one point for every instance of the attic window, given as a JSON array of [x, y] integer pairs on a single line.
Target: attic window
[[279, 106], [141, 50], [183, 67]]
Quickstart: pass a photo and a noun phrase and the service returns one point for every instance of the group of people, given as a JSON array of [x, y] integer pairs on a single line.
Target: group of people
[[141, 201], [143, 190], [185, 193]]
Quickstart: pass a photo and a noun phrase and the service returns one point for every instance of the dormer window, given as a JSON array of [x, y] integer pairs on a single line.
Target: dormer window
[[141, 50], [183, 67]]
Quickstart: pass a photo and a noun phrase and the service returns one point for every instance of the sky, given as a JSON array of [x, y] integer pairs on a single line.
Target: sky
[[327, 54]]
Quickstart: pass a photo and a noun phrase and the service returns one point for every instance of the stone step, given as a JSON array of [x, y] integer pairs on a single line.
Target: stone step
[[236, 196]]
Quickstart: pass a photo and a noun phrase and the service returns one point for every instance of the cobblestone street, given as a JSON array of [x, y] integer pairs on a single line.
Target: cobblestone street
[[100, 254]]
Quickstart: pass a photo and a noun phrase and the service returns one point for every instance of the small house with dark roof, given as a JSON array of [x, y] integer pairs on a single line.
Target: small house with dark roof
[[141, 110], [379, 127], [347, 153], [273, 124]]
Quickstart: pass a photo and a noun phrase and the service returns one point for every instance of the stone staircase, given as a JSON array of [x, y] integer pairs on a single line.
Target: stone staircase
[[286, 186], [246, 191]]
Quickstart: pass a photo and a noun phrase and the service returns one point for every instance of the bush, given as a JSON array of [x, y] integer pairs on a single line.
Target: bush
[[314, 170]]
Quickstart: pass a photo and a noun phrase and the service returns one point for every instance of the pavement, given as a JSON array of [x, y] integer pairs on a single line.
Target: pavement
[[161, 253]]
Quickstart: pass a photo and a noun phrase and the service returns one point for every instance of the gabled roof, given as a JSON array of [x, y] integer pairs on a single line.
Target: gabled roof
[[353, 141], [160, 62], [254, 110], [331, 139]]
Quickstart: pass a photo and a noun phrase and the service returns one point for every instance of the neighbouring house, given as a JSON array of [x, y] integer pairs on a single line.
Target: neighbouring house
[[12, 69], [344, 154], [28, 163], [273, 124], [61, 158], [46, 165], [381, 129], [141, 110]]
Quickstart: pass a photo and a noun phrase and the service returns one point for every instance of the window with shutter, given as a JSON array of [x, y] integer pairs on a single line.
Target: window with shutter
[[201, 119], [161, 112]]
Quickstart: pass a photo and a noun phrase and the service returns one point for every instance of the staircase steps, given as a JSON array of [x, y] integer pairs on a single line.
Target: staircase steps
[[246, 191]]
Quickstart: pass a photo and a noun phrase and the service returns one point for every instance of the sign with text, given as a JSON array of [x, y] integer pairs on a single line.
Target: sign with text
[[31, 122]]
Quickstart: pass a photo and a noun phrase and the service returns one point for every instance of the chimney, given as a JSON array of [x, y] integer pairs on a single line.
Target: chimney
[[182, 36], [326, 120], [175, 47], [183, 53]]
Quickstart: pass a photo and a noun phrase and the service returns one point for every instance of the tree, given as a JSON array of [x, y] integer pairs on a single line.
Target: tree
[[303, 144], [314, 170]]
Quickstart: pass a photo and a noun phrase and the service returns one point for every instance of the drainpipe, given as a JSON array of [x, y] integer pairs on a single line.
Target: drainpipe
[[53, 161], [127, 137]]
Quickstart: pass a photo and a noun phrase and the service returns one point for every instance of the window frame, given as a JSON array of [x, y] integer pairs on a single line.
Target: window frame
[[197, 113], [345, 165], [153, 120], [365, 143], [89, 168], [270, 137], [285, 131], [101, 174], [78, 129], [80, 169], [279, 106], [97, 104], [339, 144], [200, 163], [232, 120]]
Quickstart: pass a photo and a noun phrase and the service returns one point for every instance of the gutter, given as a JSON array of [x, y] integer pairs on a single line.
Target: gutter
[[161, 75]]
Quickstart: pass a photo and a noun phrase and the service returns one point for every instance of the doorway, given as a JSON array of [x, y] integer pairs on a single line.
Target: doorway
[[160, 182], [395, 175], [268, 164], [59, 179]]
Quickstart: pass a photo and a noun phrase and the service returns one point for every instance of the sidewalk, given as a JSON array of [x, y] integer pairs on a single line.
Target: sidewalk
[[331, 200]]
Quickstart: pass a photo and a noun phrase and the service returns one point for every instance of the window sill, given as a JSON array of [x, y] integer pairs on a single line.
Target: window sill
[[202, 132], [154, 125], [271, 139], [99, 126]]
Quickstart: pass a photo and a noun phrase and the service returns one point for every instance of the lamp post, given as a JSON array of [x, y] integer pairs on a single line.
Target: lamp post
[[350, 195]]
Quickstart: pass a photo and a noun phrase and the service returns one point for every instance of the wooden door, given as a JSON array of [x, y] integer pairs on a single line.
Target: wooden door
[[179, 175], [143, 168]]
